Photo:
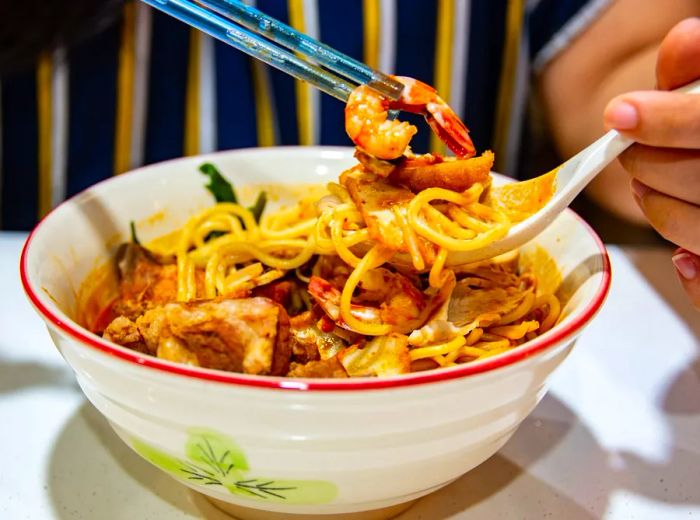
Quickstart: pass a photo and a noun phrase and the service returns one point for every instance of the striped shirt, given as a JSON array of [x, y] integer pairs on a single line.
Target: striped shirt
[[149, 88]]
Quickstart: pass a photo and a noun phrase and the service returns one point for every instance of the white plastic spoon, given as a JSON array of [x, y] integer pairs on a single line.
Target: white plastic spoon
[[572, 178]]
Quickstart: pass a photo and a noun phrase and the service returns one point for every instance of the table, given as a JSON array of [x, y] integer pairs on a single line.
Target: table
[[617, 436]]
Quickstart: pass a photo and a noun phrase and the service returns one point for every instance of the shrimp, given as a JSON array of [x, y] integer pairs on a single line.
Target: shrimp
[[384, 297], [367, 123]]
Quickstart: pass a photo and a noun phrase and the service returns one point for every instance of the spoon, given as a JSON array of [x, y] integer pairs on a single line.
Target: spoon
[[571, 178]]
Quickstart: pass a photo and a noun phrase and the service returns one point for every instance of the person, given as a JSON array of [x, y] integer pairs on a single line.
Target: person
[[106, 96], [665, 164]]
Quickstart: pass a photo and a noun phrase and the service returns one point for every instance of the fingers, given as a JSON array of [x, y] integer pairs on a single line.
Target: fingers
[[679, 55], [688, 270], [666, 119], [669, 171], [666, 184], [674, 219]]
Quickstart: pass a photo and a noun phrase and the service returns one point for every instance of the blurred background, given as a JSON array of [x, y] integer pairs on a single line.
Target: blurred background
[[97, 88]]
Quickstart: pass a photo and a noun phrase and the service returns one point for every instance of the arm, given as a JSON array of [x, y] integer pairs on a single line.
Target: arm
[[616, 54]]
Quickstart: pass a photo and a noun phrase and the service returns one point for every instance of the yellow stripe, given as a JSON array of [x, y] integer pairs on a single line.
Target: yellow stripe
[[443, 60], [303, 94], [372, 19], [44, 73], [192, 114], [263, 105], [125, 91], [514, 26]]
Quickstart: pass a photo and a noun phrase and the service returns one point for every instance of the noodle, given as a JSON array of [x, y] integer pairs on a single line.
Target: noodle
[[433, 225], [373, 259], [435, 277], [438, 350], [391, 262]]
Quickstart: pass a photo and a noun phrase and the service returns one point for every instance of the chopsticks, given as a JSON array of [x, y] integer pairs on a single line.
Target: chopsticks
[[217, 17]]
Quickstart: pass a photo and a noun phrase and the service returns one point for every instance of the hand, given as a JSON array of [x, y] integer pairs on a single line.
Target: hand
[[665, 165]]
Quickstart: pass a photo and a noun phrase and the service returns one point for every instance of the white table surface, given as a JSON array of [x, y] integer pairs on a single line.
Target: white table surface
[[617, 436]]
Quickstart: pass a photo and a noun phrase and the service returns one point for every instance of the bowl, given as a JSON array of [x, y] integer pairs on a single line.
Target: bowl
[[265, 446]]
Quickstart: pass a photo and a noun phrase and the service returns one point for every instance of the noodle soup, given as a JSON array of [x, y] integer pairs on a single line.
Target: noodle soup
[[332, 280]]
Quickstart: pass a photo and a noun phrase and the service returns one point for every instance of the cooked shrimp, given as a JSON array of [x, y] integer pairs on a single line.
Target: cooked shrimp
[[367, 123], [384, 297]]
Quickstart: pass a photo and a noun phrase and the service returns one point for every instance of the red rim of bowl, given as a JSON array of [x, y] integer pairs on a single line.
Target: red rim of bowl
[[528, 349]]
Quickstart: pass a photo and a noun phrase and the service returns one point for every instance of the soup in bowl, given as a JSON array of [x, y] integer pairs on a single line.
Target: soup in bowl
[[272, 442]]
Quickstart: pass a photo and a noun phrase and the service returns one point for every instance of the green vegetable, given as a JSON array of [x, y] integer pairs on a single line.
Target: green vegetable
[[223, 191], [134, 238], [259, 206], [218, 185]]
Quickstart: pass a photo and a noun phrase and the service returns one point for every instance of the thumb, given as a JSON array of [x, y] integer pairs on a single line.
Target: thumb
[[688, 270]]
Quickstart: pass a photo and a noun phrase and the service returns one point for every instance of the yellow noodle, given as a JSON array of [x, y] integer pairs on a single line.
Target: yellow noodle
[[286, 224], [471, 351], [515, 331], [495, 351], [553, 310], [474, 336], [373, 259], [441, 222], [239, 276], [439, 233], [324, 242], [341, 249], [521, 310], [435, 278], [191, 290], [492, 345], [410, 238], [464, 219], [437, 350]]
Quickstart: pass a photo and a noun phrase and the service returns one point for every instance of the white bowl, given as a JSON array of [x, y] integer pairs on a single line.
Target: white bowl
[[290, 446]]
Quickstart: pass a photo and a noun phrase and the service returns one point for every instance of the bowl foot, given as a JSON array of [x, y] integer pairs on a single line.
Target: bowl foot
[[249, 513]]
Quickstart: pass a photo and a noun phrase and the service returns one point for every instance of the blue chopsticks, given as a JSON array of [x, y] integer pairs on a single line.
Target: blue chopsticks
[[217, 17]]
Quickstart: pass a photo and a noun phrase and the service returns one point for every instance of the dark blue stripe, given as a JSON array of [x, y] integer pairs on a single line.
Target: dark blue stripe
[[20, 170], [415, 55], [282, 84], [548, 18], [165, 128], [486, 34], [340, 26], [235, 101], [92, 100]]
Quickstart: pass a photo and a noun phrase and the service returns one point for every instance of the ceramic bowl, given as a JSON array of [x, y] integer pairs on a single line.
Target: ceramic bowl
[[262, 446]]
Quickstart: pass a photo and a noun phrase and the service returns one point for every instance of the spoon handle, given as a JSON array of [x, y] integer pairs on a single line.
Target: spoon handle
[[578, 171]]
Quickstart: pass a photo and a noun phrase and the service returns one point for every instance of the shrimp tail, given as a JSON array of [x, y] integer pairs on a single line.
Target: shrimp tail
[[452, 132]]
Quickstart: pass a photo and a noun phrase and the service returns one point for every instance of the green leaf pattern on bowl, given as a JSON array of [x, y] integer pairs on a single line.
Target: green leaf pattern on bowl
[[213, 459]]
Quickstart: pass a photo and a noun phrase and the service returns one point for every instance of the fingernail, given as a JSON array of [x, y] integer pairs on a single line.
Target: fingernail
[[621, 115], [639, 189], [685, 265]]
